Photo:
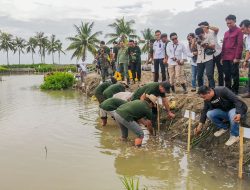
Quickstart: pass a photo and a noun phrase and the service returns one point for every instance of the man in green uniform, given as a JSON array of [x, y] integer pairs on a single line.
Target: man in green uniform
[[109, 106], [104, 64], [113, 89], [128, 115], [122, 60], [101, 87], [158, 89]]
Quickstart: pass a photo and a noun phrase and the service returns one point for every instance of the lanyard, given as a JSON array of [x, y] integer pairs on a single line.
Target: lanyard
[[175, 47]]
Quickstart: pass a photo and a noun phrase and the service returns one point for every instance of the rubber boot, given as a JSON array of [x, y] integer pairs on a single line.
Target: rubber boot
[[173, 88], [184, 88], [104, 121], [138, 142]]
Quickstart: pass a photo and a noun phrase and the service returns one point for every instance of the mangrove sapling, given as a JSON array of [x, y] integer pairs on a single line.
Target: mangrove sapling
[[131, 183], [205, 133]]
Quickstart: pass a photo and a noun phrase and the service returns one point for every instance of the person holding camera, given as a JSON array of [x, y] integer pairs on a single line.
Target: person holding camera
[[192, 53], [206, 49], [177, 55], [213, 31], [245, 28], [231, 54]]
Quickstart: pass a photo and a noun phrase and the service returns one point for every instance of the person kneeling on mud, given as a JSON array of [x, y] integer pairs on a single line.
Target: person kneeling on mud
[[129, 115], [109, 106], [220, 105]]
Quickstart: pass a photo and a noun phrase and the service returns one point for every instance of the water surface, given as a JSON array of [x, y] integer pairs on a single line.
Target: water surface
[[53, 141]]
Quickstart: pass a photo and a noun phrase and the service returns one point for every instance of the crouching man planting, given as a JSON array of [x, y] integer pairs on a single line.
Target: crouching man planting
[[221, 105], [129, 115]]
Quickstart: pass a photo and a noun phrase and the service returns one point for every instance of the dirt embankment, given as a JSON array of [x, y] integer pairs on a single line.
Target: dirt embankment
[[176, 130]]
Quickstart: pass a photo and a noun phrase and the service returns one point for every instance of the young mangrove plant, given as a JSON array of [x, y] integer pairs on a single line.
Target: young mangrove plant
[[131, 183]]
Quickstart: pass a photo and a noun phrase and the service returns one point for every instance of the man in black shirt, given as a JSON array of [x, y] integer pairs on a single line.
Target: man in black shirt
[[220, 105], [134, 60]]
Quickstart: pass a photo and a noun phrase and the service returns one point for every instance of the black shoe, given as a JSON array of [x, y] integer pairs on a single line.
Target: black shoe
[[173, 88], [184, 88]]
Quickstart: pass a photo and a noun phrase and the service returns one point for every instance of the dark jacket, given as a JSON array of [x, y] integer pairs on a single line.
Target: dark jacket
[[225, 100]]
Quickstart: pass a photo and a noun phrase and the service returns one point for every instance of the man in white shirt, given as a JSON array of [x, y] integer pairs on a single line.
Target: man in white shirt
[[177, 55], [213, 31], [158, 56], [205, 47], [245, 28]]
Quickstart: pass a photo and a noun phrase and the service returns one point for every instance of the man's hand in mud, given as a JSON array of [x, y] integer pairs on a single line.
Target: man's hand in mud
[[198, 129], [171, 114], [237, 118]]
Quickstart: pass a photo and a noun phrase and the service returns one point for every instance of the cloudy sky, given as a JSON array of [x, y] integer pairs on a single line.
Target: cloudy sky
[[24, 18]]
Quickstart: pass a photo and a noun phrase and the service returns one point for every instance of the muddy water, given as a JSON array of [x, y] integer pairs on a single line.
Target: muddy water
[[52, 141]]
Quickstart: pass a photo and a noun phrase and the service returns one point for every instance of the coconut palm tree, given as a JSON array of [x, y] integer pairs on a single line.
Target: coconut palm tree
[[52, 46], [42, 42], [19, 45], [31, 47], [59, 50], [147, 36], [6, 43], [122, 30], [84, 41]]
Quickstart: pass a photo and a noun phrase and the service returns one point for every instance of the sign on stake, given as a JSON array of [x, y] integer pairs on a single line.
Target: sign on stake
[[191, 116], [244, 133]]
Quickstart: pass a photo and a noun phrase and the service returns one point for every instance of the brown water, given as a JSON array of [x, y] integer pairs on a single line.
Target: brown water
[[81, 155]]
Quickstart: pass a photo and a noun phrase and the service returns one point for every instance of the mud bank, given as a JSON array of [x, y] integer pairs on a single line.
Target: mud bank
[[176, 130]]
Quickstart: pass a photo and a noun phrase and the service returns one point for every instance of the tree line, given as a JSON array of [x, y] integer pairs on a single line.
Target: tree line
[[85, 40]]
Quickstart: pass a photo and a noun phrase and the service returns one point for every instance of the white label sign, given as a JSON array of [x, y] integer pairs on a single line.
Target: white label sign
[[247, 133], [160, 101], [186, 115]]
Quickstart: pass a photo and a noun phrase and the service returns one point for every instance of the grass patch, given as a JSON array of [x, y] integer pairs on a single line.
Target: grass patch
[[58, 81]]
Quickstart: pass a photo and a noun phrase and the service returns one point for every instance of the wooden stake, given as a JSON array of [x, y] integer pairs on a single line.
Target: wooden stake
[[189, 131], [241, 153], [158, 116]]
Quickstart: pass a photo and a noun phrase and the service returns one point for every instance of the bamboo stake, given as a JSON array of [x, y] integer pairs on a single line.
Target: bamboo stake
[[158, 116], [241, 153], [189, 131]]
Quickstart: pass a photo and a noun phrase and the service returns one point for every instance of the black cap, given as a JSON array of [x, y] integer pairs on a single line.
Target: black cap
[[166, 86]]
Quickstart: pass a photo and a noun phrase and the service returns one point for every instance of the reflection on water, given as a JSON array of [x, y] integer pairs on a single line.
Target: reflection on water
[[83, 155]]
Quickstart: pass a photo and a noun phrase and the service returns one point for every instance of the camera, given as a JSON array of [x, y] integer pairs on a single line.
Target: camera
[[198, 40]]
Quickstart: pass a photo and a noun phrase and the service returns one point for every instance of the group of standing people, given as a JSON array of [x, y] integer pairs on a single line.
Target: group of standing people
[[205, 53], [122, 57]]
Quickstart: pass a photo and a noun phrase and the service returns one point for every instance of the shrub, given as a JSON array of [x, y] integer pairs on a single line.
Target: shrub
[[58, 81], [3, 69]]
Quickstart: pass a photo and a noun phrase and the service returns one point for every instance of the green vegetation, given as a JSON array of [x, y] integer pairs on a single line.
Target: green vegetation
[[43, 67], [123, 30], [58, 81], [3, 69], [131, 183], [84, 41]]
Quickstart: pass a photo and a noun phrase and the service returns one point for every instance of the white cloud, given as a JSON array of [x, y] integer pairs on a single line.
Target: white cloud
[[90, 9]]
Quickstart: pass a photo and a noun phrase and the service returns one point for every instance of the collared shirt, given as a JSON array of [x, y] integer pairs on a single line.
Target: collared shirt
[[123, 56], [191, 56], [159, 50], [202, 57], [176, 50], [247, 43], [218, 48], [232, 44]]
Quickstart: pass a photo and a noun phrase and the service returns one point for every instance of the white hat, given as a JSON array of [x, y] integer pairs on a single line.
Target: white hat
[[152, 98]]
